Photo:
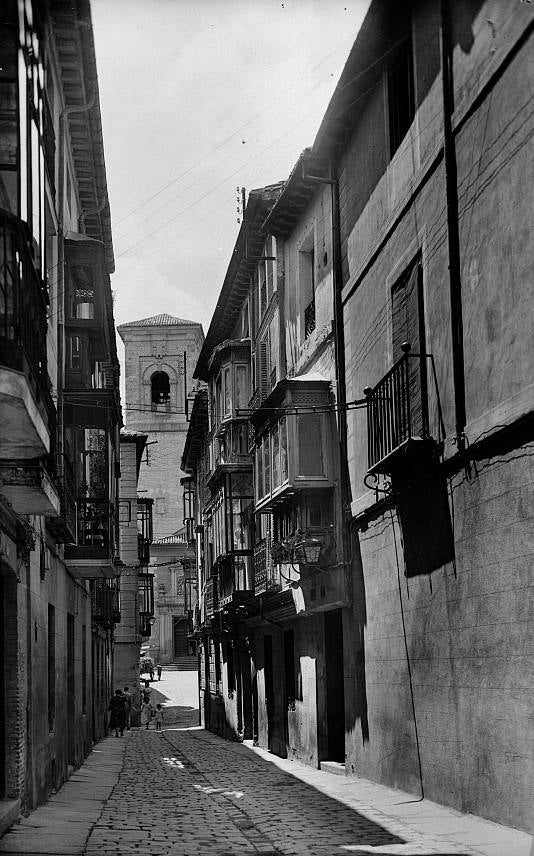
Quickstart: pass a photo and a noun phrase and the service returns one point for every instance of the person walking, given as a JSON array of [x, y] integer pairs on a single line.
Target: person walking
[[146, 692], [159, 671], [159, 717], [128, 700], [146, 713], [117, 706]]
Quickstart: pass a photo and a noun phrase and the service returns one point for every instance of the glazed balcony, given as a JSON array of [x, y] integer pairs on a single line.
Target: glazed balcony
[[28, 411], [92, 557], [234, 578], [404, 421], [210, 598], [30, 487]]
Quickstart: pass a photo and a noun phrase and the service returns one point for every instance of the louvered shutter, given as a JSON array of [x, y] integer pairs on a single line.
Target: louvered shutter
[[263, 370]]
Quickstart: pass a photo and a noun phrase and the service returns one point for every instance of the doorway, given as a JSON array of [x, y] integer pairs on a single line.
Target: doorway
[[179, 637], [269, 687], [335, 690], [71, 714]]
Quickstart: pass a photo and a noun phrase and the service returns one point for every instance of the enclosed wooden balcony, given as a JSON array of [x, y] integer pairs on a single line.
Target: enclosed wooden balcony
[[234, 578], [28, 411], [92, 556]]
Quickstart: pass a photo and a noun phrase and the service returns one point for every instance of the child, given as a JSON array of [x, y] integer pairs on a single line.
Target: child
[[145, 713], [159, 717]]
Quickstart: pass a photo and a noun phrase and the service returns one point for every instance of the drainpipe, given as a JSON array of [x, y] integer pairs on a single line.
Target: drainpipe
[[453, 231]]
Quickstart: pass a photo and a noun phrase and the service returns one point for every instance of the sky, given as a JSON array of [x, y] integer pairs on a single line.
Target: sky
[[198, 99]]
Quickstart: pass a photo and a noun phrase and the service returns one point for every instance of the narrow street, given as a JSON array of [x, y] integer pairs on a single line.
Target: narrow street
[[186, 791]]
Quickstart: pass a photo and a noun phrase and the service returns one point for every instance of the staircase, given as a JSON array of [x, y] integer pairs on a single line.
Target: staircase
[[182, 664]]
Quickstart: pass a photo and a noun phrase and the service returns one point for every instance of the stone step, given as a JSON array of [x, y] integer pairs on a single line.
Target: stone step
[[333, 767]]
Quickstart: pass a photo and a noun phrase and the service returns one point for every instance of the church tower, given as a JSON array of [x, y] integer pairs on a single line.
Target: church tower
[[161, 354]]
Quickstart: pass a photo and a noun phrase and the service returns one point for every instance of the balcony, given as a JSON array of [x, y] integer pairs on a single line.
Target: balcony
[[144, 529], [266, 573], [63, 526], [29, 487], [28, 411], [234, 578], [92, 555], [103, 603], [210, 598], [404, 420]]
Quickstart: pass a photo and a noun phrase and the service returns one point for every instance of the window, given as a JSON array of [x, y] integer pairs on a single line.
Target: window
[[160, 388], [265, 277], [307, 285], [227, 386], [242, 391], [91, 463], [407, 325], [310, 445], [75, 353], [401, 94], [82, 298]]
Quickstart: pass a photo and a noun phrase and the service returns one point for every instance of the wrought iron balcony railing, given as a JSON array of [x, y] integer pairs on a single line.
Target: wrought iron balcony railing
[[400, 409], [266, 574], [103, 602]]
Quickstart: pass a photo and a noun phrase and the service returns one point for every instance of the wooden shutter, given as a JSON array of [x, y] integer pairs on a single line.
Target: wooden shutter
[[263, 370], [408, 326]]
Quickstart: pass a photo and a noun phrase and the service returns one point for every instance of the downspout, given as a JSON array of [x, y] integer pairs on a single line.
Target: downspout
[[453, 231]]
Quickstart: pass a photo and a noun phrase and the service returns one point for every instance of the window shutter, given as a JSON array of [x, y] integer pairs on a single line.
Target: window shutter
[[263, 373], [408, 326]]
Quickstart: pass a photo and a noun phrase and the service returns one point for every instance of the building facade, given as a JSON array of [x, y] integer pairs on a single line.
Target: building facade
[[136, 582], [59, 404], [362, 525], [160, 354]]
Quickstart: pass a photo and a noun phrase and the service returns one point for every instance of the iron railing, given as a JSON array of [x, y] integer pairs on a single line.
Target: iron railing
[[398, 407], [64, 526], [102, 602], [266, 574]]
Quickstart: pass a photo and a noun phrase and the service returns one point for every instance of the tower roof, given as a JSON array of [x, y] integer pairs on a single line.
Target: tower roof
[[163, 320]]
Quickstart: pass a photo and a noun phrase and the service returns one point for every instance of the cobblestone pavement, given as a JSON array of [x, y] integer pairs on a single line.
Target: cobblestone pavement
[[186, 792], [189, 792]]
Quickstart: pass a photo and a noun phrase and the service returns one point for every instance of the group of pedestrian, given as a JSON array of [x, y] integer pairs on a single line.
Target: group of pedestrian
[[120, 707], [147, 667], [150, 712]]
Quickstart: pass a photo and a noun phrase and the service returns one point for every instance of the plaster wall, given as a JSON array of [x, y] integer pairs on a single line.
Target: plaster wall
[[468, 628], [468, 624]]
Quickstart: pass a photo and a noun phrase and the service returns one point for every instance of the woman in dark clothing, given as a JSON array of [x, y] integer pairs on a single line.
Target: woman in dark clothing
[[117, 706]]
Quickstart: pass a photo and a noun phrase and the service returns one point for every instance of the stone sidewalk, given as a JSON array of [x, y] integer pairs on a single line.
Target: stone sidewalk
[[184, 791]]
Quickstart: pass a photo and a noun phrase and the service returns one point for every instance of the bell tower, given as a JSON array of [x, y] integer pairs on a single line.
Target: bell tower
[[161, 355]]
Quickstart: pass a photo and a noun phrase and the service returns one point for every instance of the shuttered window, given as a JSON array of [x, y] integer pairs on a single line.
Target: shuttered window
[[407, 315]]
